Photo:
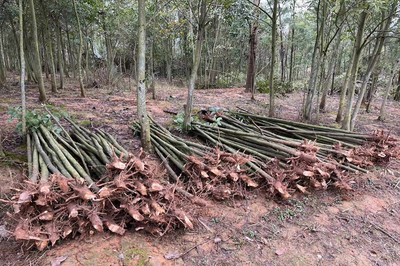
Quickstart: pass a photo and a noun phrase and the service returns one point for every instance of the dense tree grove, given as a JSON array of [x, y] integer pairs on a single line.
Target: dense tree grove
[[319, 46]]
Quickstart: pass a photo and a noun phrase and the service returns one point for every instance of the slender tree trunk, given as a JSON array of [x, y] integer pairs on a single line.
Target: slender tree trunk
[[196, 63], [273, 59], [397, 95], [168, 59], [45, 59], [83, 93], [60, 56], [38, 64], [382, 114], [3, 68], [371, 65], [141, 89], [51, 58], [71, 61], [315, 63], [152, 83], [22, 60], [372, 92], [251, 69], [16, 41], [292, 45], [354, 69], [343, 93], [332, 62], [282, 51], [211, 71], [87, 63]]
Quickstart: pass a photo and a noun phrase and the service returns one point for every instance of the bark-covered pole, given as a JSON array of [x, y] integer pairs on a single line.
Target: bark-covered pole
[[374, 59], [22, 79], [354, 70], [388, 88], [196, 62], [38, 64], [141, 70], [273, 51], [83, 93]]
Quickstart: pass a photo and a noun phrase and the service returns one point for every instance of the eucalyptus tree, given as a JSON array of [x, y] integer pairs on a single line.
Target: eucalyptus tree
[[37, 62], [380, 39], [251, 68], [201, 24], [83, 92], [141, 80]]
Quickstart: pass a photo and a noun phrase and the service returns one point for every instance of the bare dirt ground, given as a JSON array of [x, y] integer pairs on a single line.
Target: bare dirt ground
[[324, 228]]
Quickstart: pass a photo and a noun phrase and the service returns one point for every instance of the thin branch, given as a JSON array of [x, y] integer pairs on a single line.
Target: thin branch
[[262, 10]]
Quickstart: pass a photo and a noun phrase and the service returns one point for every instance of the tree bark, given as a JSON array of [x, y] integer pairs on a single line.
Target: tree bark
[[60, 55], [315, 63], [251, 69], [51, 58], [273, 59], [38, 65], [22, 60], [83, 93], [292, 45], [152, 82], [382, 114], [371, 92], [397, 95], [371, 65], [343, 92], [141, 89], [196, 63], [332, 61], [354, 69]]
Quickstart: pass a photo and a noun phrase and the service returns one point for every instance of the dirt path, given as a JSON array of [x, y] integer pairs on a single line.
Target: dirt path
[[325, 228]]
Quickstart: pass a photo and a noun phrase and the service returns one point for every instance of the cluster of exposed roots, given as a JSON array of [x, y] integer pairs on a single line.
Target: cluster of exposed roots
[[220, 174], [130, 195]]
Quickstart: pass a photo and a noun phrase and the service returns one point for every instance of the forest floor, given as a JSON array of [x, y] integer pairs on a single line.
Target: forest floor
[[324, 228]]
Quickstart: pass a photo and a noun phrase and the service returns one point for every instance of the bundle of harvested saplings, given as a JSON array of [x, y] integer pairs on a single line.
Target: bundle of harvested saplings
[[82, 181]]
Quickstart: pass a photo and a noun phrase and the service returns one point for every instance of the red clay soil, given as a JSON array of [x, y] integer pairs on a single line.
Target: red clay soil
[[323, 228]]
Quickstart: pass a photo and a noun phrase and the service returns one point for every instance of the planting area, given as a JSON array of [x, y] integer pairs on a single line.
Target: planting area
[[294, 194]]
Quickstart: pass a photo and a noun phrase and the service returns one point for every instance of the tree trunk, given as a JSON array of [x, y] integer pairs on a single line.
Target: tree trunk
[[38, 64], [371, 65], [282, 51], [316, 61], [196, 63], [3, 69], [273, 52], [354, 69], [211, 69], [71, 61], [371, 92], [83, 93], [168, 59], [332, 62], [22, 60], [60, 56], [152, 82], [251, 69], [397, 94], [141, 89], [51, 58], [292, 45], [382, 114], [343, 93]]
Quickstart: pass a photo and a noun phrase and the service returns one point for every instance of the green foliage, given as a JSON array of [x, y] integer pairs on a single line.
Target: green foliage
[[281, 88], [34, 119]]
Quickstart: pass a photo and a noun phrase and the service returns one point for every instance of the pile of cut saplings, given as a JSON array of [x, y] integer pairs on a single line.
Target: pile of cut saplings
[[83, 181]]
